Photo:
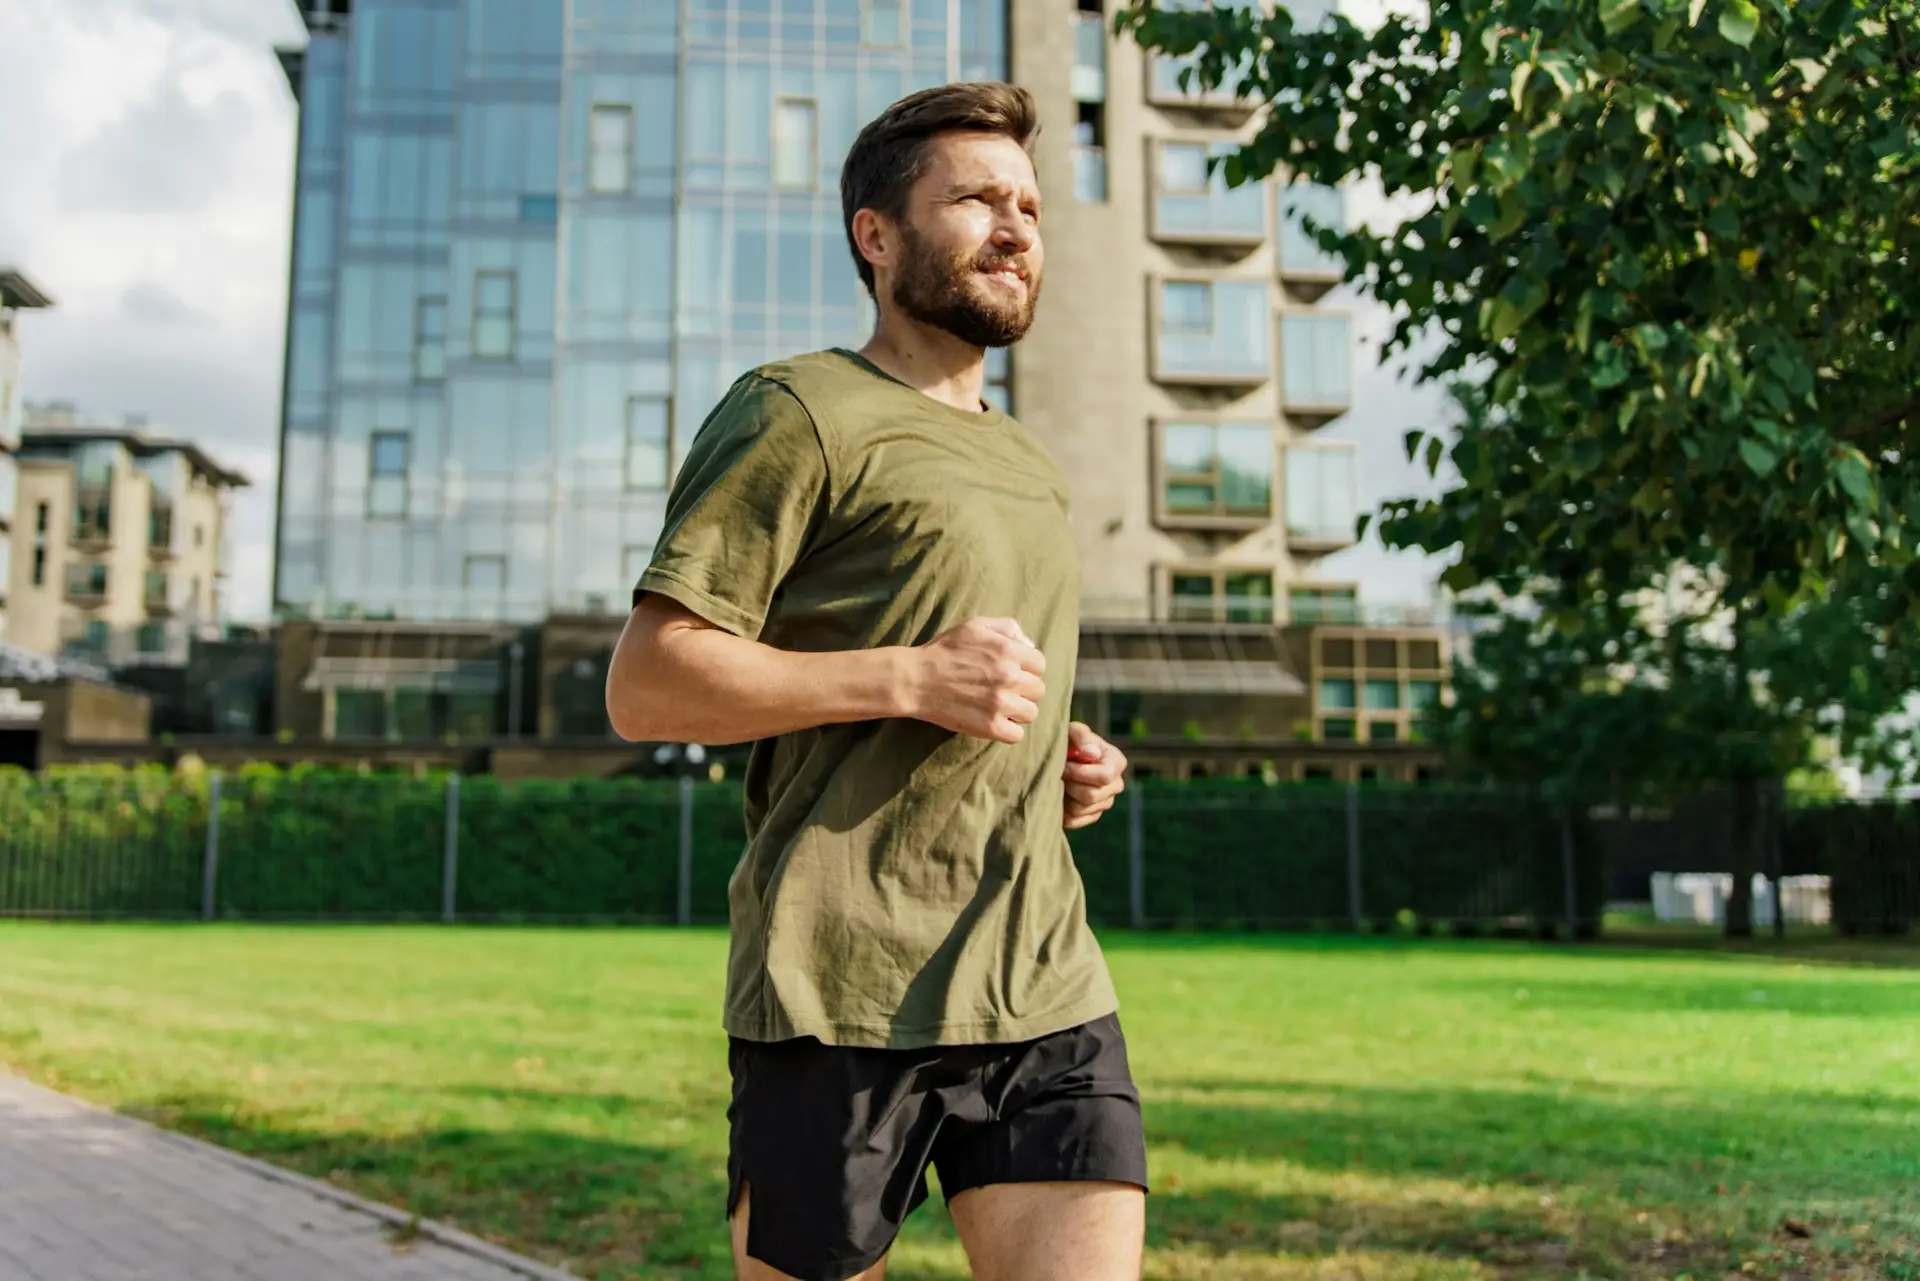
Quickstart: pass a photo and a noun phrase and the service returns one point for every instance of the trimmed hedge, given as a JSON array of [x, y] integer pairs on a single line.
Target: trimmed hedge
[[310, 843]]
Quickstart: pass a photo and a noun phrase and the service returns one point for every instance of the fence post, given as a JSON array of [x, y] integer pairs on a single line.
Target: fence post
[[210, 873], [450, 850], [1571, 890], [1136, 858], [685, 912], [1356, 904]]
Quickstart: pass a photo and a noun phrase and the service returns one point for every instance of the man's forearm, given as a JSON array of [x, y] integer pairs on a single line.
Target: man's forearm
[[682, 682]]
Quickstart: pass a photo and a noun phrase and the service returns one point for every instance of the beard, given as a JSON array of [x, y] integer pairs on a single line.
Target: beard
[[944, 290]]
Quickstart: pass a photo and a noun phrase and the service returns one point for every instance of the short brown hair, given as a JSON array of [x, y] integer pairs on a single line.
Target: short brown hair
[[891, 152]]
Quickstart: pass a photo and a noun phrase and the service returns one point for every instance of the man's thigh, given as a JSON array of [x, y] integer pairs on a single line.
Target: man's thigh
[[1079, 1231]]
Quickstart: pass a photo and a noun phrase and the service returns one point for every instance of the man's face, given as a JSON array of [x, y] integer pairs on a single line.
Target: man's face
[[970, 252]]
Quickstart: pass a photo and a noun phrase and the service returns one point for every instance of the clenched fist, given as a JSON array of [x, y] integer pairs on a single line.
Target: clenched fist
[[981, 679], [1096, 774]]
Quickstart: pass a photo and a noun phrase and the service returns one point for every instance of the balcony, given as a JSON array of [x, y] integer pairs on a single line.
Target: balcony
[[1211, 333], [92, 521], [1307, 269], [1316, 357], [160, 535], [154, 595], [1195, 206], [1322, 498], [86, 584], [1221, 103], [1214, 475]]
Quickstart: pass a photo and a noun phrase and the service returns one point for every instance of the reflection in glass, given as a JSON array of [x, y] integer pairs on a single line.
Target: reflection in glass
[[1213, 329], [1089, 83], [430, 341], [796, 143], [1194, 202], [1316, 352], [882, 23], [1300, 252], [610, 148], [648, 436], [1322, 497], [493, 307], [1249, 598]]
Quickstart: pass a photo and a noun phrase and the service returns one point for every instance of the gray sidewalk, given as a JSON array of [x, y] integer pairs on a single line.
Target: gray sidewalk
[[86, 1195]]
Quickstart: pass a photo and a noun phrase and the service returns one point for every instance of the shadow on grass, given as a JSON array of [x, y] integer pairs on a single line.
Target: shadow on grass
[[605, 1209], [1856, 1154]]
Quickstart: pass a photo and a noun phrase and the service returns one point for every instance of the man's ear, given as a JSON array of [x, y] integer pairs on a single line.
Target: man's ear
[[877, 240]]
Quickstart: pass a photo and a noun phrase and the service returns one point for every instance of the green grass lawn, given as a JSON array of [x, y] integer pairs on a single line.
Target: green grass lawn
[[1318, 1108]]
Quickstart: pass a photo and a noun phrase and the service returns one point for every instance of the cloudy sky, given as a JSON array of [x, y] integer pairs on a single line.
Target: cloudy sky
[[148, 171]]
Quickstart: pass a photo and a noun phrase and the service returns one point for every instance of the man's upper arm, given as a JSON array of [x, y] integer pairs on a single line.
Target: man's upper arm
[[742, 509]]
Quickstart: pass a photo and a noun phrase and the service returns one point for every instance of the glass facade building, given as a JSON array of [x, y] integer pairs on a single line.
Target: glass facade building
[[533, 242]]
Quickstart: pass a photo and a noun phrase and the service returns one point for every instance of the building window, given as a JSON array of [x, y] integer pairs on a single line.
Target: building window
[[1322, 497], [1089, 83], [151, 638], [359, 713], [493, 315], [1212, 332], [1310, 605], [648, 442], [1300, 254], [1337, 729], [41, 516], [430, 340], [97, 635], [387, 463], [998, 390], [1316, 352], [484, 580], [86, 580], [1192, 201], [1214, 595], [610, 149], [1423, 696], [796, 144], [1383, 731], [543, 208], [1337, 694], [1382, 694], [156, 587], [1089, 157], [883, 23], [1220, 472]]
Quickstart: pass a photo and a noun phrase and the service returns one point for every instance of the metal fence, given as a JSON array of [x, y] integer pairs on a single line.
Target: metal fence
[[1230, 855]]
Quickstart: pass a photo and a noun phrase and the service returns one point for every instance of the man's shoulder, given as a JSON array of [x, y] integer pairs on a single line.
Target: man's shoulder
[[814, 376]]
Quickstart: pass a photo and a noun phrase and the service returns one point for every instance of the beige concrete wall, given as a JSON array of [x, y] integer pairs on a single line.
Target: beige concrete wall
[[35, 612], [127, 560], [1082, 377], [197, 559]]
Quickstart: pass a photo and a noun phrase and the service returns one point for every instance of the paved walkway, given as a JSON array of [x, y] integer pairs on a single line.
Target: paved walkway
[[86, 1195]]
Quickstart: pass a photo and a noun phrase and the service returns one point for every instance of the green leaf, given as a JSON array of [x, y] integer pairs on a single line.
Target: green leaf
[[1501, 319], [1759, 458], [1855, 479], [1518, 86], [1617, 15], [1723, 222], [1694, 10], [1652, 336], [1739, 22]]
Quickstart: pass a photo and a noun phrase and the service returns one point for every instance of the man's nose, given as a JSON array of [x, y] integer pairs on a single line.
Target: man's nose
[[1014, 234]]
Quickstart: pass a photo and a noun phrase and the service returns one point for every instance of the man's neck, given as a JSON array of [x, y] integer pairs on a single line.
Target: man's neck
[[929, 360]]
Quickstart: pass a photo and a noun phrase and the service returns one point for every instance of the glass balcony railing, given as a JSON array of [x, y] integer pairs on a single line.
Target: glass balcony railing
[[1089, 81], [1301, 257], [1193, 205], [1316, 355], [1213, 332]]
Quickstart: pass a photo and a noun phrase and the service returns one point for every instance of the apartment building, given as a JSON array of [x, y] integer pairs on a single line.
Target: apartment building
[[118, 541], [17, 294]]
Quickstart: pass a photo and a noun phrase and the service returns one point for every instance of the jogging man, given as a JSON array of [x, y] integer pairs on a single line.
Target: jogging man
[[867, 572]]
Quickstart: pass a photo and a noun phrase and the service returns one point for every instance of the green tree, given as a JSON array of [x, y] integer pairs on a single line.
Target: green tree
[[1667, 249], [1673, 238]]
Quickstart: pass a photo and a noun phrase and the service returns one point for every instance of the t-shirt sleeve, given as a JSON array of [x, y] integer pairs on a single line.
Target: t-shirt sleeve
[[749, 494]]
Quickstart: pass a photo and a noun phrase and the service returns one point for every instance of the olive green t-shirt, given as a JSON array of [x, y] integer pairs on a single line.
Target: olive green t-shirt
[[902, 885]]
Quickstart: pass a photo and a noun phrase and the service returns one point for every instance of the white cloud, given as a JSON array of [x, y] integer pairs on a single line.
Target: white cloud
[[148, 166]]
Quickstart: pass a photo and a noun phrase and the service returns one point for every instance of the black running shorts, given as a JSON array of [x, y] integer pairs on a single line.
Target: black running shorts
[[835, 1141]]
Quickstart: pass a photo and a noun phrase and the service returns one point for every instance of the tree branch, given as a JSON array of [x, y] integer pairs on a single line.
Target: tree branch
[[1885, 418]]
